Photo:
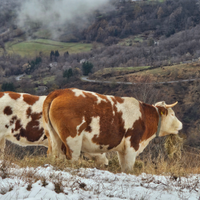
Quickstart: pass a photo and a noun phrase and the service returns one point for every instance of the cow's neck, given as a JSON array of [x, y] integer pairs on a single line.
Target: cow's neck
[[159, 123]]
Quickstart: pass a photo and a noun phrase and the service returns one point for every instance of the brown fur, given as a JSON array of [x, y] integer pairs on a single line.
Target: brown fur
[[145, 127], [7, 110], [30, 99], [14, 95]]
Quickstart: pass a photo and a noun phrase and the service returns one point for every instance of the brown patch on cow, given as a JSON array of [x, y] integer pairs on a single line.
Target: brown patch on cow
[[17, 136], [14, 95], [144, 127], [82, 127], [1, 94], [45, 137], [18, 125], [28, 112], [13, 119], [7, 110], [119, 99], [162, 110], [111, 128], [88, 129], [31, 132], [30, 99], [6, 126]]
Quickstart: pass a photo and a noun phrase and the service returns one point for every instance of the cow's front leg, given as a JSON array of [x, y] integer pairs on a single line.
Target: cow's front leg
[[127, 159]]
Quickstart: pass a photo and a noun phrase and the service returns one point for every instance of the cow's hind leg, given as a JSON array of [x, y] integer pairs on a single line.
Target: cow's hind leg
[[127, 159], [73, 147], [54, 144]]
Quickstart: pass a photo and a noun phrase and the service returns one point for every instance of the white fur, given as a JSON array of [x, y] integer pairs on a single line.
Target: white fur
[[78, 93], [130, 111]]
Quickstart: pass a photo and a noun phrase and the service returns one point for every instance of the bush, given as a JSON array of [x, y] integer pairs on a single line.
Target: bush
[[68, 73], [33, 65], [87, 68], [7, 87]]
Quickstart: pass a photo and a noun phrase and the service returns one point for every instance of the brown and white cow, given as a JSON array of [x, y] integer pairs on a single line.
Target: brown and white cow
[[21, 121], [94, 123]]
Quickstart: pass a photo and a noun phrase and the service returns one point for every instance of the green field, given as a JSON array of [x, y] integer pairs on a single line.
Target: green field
[[34, 47]]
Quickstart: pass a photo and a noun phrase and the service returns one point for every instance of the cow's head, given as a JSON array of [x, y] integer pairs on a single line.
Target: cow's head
[[169, 122]]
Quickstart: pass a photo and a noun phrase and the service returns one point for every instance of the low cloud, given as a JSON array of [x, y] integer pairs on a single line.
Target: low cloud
[[56, 14]]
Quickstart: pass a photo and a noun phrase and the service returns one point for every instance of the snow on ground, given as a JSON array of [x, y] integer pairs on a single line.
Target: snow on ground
[[45, 182]]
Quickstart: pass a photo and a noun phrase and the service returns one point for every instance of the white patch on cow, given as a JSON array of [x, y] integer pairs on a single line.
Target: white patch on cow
[[109, 97], [78, 92], [87, 144], [99, 99], [112, 102], [127, 155], [144, 143], [130, 111], [75, 146], [83, 121]]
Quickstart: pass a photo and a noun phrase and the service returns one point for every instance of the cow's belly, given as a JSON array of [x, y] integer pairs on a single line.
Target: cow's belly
[[16, 137], [89, 146]]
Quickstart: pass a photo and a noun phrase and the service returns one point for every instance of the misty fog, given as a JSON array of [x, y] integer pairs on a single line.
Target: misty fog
[[55, 15]]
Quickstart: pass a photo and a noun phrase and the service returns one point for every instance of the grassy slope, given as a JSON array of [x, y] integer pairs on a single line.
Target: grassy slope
[[168, 73], [33, 47], [115, 71]]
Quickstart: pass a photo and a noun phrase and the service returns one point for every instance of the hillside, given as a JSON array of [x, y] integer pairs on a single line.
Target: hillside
[[142, 42]]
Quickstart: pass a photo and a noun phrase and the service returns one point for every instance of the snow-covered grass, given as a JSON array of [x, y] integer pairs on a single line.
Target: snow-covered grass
[[45, 182], [155, 176]]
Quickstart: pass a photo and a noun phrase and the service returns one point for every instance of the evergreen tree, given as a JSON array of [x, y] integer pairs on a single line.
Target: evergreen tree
[[87, 68], [33, 64], [7, 87], [68, 73], [56, 55], [52, 55]]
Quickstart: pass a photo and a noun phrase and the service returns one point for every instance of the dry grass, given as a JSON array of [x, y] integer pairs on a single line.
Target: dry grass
[[173, 159]]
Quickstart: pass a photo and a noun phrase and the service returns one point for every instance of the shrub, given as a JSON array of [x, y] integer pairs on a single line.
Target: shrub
[[7, 87], [68, 73], [87, 68]]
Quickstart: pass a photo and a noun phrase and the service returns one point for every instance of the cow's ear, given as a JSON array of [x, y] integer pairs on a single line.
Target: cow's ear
[[162, 110]]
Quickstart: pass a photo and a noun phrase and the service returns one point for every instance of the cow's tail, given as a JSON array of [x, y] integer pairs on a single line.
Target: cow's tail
[[47, 105], [64, 148], [46, 119]]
